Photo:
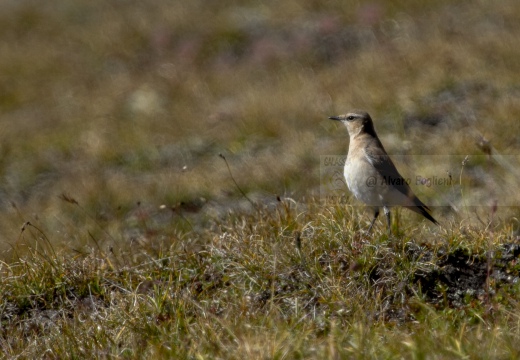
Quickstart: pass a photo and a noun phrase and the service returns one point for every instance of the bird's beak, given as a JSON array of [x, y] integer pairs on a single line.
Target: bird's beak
[[335, 118]]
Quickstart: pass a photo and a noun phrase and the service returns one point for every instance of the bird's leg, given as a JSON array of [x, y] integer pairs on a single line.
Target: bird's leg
[[386, 209], [376, 214]]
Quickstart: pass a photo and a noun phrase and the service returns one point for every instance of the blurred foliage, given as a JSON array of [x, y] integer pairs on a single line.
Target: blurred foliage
[[119, 102]]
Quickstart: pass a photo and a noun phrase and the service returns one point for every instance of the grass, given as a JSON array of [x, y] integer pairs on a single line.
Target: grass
[[125, 235], [245, 288]]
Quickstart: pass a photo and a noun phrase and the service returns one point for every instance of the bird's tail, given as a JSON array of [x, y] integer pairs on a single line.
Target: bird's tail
[[424, 211]]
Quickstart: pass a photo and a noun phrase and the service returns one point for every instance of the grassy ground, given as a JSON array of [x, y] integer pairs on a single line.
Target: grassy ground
[[124, 234]]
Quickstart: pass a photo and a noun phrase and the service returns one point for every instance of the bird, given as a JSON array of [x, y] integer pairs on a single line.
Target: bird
[[370, 173]]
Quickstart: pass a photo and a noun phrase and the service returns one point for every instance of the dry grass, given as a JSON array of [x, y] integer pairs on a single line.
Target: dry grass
[[138, 243], [286, 281]]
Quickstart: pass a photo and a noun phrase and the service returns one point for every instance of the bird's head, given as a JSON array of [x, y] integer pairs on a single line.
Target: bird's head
[[357, 122]]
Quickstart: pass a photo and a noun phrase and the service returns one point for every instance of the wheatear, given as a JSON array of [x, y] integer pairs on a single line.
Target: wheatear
[[370, 173]]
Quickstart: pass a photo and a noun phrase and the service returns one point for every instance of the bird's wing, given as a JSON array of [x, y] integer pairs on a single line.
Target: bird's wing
[[379, 159], [377, 156]]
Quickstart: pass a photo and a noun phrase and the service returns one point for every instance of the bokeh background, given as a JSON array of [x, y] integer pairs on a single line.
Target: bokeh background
[[113, 113]]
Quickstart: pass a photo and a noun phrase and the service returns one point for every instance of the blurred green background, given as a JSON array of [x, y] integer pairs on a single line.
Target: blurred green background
[[125, 105]]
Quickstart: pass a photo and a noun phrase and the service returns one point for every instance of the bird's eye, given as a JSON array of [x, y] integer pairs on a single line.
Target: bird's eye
[[350, 117]]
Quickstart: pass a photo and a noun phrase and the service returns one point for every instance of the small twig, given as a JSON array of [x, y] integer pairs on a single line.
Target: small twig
[[236, 184], [43, 236], [464, 162], [69, 199], [298, 237], [177, 209], [298, 240]]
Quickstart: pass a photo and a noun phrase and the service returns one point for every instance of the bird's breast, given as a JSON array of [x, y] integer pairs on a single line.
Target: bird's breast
[[363, 180]]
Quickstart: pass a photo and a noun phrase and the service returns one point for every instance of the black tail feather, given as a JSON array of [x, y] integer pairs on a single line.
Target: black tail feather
[[424, 211]]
